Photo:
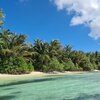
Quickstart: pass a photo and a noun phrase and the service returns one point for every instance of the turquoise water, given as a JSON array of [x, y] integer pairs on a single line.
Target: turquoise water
[[69, 87]]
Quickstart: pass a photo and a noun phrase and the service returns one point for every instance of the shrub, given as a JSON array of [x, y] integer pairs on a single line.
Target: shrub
[[30, 67], [19, 66], [78, 68], [98, 66], [54, 65], [45, 68], [86, 65], [95, 66], [69, 66]]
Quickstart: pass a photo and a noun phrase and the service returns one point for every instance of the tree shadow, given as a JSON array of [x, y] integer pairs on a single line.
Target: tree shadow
[[8, 97], [84, 96], [28, 81], [8, 88], [16, 93]]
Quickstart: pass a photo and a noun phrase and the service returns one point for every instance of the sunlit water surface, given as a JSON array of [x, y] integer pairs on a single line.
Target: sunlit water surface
[[84, 86]]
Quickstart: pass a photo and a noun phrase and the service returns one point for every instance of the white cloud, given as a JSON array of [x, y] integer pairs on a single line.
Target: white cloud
[[86, 12]]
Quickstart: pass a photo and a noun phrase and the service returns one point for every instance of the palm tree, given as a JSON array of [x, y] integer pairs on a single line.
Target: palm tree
[[40, 54], [66, 53], [1, 18], [13, 46], [77, 56], [13, 43], [55, 48]]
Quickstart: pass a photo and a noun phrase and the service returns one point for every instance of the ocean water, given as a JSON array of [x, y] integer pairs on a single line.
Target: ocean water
[[84, 86]]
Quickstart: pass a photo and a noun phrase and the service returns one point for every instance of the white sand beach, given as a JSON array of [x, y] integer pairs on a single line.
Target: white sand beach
[[39, 74]]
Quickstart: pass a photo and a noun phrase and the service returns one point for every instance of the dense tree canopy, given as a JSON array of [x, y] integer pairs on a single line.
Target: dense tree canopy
[[17, 56]]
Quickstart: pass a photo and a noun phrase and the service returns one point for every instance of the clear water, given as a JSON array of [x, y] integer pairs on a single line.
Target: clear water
[[69, 87]]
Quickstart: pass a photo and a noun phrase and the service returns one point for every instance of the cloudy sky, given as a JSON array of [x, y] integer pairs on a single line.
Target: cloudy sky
[[74, 22]]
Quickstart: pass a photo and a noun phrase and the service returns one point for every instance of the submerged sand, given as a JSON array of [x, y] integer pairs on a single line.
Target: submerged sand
[[8, 78]]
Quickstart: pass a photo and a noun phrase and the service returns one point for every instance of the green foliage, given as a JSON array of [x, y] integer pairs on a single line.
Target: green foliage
[[17, 57], [22, 66], [18, 66], [86, 65], [14, 54], [98, 65], [54, 65], [1, 19], [69, 66], [94, 66], [78, 68], [40, 54], [45, 68]]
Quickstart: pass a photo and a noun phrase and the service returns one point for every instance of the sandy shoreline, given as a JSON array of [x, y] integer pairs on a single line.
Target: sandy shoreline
[[37, 74], [8, 78]]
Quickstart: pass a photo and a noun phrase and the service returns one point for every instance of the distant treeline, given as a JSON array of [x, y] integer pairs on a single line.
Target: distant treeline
[[17, 56]]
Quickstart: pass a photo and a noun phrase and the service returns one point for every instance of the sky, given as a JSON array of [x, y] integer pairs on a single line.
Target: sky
[[74, 22]]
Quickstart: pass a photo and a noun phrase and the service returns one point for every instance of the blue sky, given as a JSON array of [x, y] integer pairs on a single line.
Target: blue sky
[[41, 19]]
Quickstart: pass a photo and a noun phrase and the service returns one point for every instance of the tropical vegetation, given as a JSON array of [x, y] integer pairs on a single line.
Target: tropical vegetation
[[17, 56]]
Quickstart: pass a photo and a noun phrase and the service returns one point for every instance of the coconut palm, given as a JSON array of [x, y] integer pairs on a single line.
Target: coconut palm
[[1, 18], [13, 46], [55, 48], [40, 55]]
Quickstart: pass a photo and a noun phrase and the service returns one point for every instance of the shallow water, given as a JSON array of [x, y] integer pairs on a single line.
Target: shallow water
[[69, 87]]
